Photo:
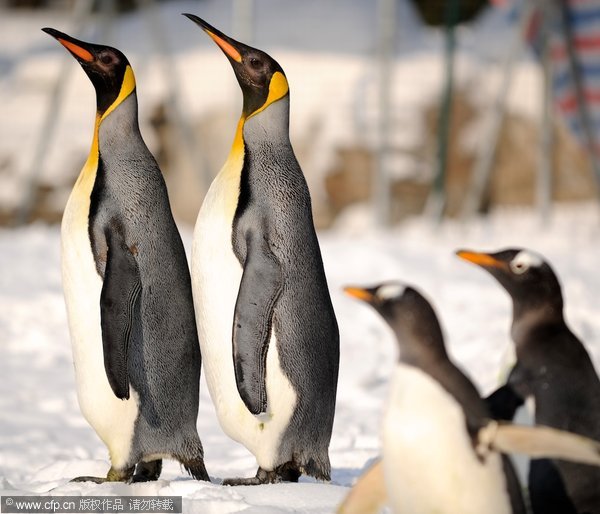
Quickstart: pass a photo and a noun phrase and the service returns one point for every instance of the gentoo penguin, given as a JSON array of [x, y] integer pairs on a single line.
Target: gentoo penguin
[[128, 290], [268, 331], [554, 369], [433, 420]]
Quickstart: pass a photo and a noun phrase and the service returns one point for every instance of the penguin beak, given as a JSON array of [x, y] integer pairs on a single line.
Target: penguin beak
[[228, 45], [77, 48], [484, 260], [360, 293]]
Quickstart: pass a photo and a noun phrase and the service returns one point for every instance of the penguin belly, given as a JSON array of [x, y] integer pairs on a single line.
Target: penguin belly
[[112, 419], [430, 465], [216, 276]]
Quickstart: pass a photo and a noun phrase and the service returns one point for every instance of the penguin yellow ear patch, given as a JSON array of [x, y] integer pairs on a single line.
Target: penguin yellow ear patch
[[278, 88]]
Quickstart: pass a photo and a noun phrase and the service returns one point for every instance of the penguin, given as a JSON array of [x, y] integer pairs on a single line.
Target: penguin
[[434, 419], [267, 327], [128, 290], [553, 369]]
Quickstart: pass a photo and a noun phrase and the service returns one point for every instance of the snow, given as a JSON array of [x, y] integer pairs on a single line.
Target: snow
[[44, 440]]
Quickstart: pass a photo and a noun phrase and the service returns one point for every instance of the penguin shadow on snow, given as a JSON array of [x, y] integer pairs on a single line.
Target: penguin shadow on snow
[[441, 450]]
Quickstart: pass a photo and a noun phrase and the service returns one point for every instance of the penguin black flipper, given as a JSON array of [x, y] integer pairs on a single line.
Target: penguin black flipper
[[260, 287], [119, 310], [504, 402]]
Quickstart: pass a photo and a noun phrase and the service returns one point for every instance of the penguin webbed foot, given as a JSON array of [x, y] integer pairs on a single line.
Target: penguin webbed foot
[[147, 471], [113, 475], [285, 473]]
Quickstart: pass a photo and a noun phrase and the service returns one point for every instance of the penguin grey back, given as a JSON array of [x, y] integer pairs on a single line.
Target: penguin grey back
[[130, 200]]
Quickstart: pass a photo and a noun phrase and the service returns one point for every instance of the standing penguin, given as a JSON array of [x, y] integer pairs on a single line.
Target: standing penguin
[[554, 369], [267, 327], [435, 420], [127, 289]]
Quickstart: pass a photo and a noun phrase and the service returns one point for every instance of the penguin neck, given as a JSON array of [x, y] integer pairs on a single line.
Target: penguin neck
[[268, 125], [424, 350], [528, 318], [120, 126]]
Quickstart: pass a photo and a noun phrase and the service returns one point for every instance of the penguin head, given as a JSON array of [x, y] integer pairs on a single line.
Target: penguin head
[[525, 275], [108, 69], [261, 78], [410, 316]]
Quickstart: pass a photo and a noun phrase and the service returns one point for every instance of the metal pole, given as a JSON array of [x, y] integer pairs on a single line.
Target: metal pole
[[545, 163], [193, 147], [436, 202], [482, 169], [82, 11], [381, 198]]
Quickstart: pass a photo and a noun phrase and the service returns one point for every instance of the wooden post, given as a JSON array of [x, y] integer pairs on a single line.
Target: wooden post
[[482, 169], [381, 198], [436, 202]]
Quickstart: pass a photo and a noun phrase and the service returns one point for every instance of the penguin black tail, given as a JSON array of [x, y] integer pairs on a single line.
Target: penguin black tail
[[196, 469]]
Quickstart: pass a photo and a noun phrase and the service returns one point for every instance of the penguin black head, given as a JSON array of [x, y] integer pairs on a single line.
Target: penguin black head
[[107, 68], [525, 275], [410, 316], [261, 78]]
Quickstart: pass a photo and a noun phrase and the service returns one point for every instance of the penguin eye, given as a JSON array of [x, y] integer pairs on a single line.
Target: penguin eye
[[255, 63], [106, 59], [519, 267]]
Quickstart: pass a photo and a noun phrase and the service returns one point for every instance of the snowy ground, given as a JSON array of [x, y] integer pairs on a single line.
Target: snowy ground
[[44, 440]]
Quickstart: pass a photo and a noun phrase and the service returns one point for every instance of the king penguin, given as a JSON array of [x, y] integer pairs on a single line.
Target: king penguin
[[554, 369], [268, 331], [128, 290]]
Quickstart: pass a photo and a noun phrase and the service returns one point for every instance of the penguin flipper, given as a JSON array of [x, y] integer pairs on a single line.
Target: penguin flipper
[[260, 287], [504, 402], [538, 441], [368, 495], [119, 311]]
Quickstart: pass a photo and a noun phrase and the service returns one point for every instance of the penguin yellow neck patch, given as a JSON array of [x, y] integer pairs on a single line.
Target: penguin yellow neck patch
[[278, 88], [127, 88]]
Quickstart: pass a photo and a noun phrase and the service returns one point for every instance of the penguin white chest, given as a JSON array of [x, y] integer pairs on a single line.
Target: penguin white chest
[[216, 276], [429, 462], [82, 287]]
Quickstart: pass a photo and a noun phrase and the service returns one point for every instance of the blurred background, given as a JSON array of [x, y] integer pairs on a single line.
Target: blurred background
[[398, 107]]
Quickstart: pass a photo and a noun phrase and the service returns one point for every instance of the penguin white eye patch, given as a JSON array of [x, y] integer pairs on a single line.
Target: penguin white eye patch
[[391, 291], [525, 260]]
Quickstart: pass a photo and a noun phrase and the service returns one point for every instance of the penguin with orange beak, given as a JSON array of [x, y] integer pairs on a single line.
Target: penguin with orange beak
[[268, 331], [554, 370], [128, 290]]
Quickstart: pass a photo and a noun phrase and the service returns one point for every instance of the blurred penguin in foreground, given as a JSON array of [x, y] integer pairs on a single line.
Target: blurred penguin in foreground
[[442, 452]]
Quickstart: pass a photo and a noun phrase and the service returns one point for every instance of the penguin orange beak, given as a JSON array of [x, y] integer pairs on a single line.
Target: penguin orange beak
[[360, 294], [77, 48], [481, 259], [226, 44]]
